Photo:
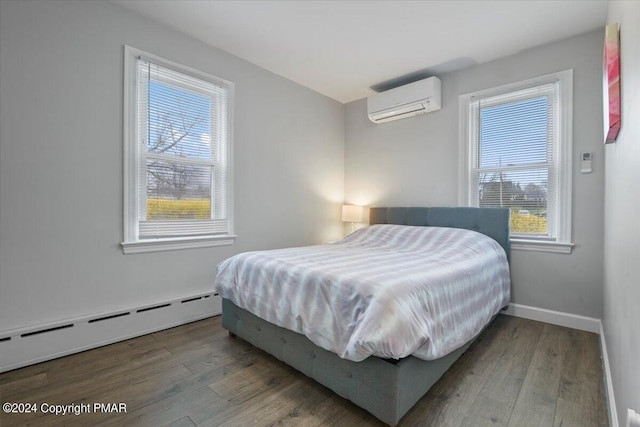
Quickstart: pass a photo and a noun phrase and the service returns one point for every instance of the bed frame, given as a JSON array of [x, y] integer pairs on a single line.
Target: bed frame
[[386, 388]]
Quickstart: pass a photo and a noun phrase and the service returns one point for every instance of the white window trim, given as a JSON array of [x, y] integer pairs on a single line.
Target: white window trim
[[541, 246], [131, 243], [171, 244], [563, 243]]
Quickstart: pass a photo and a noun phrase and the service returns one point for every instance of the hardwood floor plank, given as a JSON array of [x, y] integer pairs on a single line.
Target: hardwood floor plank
[[487, 412], [581, 378], [260, 409], [452, 397], [196, 336], [165, 405], [25, 385], [603, 410], [506, 380], [116, 377], [121, 390], [22, 373], [536, 404], [571, 414], [247, 382], [331, 410], [182, 422], [221, 352], [313, 413], [75, 366], [310, 409]]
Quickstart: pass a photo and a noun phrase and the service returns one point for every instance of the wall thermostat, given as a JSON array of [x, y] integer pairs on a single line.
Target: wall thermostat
[[585, 166]]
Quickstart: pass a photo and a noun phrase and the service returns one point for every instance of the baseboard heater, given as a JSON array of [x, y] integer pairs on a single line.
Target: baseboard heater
[[27, 346]]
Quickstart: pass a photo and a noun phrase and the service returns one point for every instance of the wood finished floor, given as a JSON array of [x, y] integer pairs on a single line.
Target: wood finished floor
[[518, 373]]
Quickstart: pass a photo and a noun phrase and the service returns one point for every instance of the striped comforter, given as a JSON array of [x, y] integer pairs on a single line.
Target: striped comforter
[[386, 290]]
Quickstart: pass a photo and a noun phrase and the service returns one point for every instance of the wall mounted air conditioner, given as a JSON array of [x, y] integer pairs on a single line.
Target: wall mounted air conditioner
[[409, 100]]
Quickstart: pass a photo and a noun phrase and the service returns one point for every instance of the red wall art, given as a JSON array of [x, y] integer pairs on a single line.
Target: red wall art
[[612, 80]]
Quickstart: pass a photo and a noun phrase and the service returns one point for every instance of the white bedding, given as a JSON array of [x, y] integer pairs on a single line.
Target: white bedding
[[386, 290]]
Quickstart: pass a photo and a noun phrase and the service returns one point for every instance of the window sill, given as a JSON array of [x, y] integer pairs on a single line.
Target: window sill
[[172, 244], [537, 246]]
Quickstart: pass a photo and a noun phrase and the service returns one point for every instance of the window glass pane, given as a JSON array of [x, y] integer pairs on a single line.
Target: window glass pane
[[518, 155], [178, 191], [178, 149], [525, 192], [179, 121], [513, 134]]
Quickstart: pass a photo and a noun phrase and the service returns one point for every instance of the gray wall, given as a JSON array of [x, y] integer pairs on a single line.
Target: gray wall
[[415, 162], [621, 317], [61, 108]]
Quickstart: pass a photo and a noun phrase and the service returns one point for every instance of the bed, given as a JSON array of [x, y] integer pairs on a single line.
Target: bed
[[339, 337]]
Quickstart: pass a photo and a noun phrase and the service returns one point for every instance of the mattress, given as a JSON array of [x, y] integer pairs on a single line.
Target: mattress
[[388, 291]]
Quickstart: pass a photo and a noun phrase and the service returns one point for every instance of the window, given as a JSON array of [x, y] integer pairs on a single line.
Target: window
[[177, 156], [516, 153]]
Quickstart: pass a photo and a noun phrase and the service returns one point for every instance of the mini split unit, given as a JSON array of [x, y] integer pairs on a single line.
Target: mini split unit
[[409, 100]]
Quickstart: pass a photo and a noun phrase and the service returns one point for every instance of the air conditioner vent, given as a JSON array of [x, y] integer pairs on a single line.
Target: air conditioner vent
[[419, 97]]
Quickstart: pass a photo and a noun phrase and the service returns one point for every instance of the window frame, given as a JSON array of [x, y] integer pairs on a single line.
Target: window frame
[[132, 155], [563, 151]]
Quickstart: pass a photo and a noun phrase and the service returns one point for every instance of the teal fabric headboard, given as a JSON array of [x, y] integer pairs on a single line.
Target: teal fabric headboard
[[494, 222]]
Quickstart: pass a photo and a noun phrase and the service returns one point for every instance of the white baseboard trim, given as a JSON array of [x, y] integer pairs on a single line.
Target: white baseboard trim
[[574, 321], [35, 344], [608, 381]]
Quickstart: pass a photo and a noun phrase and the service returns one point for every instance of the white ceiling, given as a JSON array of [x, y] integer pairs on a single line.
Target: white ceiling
[[344, 48]]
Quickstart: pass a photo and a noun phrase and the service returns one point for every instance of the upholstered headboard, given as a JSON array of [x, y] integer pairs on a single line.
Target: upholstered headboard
[[494, 222]]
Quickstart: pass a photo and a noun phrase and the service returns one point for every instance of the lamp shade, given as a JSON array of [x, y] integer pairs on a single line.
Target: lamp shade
[[351, 213]]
